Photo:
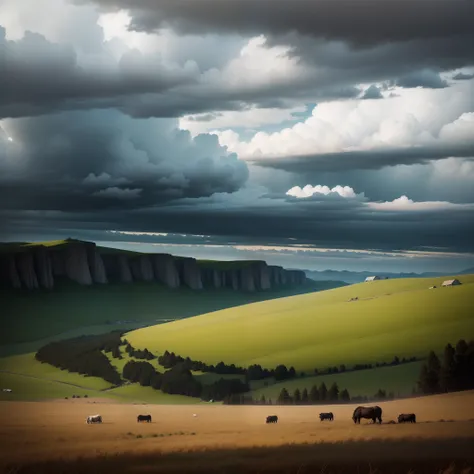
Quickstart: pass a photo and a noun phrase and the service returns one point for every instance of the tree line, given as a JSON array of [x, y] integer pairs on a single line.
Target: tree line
[[455, 372], [179, 380], [257, 372], [253, 372], [84, 355]]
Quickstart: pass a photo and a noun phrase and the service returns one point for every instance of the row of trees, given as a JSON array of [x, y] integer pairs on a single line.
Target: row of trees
[[257, 372], [84, 355], [138, 353], [179, 381], [454, 372], [253, 372]]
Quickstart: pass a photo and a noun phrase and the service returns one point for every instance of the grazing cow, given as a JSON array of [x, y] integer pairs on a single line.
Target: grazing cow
[[326, 416], [371, 413], [272, 419], [146, 418], [94, 419], [407, 418]]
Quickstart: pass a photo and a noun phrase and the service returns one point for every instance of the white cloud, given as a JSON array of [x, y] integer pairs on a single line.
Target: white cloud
[[403, 203], [250, 118], [308, 191], [416, 117]]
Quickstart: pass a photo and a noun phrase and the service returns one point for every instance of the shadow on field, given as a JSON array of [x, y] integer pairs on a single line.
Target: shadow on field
[[414, 456]]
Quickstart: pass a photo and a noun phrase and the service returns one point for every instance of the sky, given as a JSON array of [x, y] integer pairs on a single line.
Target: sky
[[314, 134]]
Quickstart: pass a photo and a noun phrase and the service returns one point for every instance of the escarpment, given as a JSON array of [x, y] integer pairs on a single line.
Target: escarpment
[[165, 270], [189, 273], [141, 267], [117, 268], [43, 267], [31, 267], [26, 270], [96, 264]]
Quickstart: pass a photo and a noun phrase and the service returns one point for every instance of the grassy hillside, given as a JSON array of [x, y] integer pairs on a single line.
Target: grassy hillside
[[42, 314], [399, 379], [391, 317]]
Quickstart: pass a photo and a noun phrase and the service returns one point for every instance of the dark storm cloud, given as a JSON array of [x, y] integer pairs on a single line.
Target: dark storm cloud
[[37, 75], [373, 159], [328, 222], [105, 160], [360, 22], [460, 76], [427, 79]]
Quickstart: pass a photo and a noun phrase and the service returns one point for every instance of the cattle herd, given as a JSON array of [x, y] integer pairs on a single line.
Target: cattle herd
[[371, 413]]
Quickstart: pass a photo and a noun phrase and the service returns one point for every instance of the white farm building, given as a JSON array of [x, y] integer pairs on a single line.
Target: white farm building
[[373, 278], [454, 282]]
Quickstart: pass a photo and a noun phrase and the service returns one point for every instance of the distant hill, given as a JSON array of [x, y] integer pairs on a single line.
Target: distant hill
[[358, 277], [362, 323]]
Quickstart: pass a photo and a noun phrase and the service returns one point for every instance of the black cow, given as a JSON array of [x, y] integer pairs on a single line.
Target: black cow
[[371, 413], [407, 418], [146, 418], [272, 419], [326, 416]]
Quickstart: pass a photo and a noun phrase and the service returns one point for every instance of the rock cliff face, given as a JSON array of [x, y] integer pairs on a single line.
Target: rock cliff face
[[32, 267], [8, 272], [164, 268], [261, 276], [26, 269], [247, 278], [96, 264], [142, 269], [212, 278], [189, 273], [43, 267], [117, 268]]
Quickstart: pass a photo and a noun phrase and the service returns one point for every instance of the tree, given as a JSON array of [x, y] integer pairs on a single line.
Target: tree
[[344, 396], [323, 392], [333, 393], [381, 394], [262, 400], [447, 376], [281, 372], [342, 368], [292, 373], [304, 397], [284, 397], [297, 397], [314, 395]]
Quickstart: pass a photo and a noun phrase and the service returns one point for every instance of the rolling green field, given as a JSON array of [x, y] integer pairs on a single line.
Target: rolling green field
[[400, 380], [27, 365], [42, 314], [391, 317], [25, 388]]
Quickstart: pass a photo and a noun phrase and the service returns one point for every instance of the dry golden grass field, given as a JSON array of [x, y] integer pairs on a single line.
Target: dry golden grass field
[[53, 430]]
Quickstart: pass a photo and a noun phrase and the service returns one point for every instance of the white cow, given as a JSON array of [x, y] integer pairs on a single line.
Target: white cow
[[94, 419]]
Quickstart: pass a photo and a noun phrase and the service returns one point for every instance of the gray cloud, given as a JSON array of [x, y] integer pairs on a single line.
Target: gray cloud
[[373, 92], [360, 22], [365, 160], [28, 87], [424, 78], [328, 222], [103, 159], [463, 77]]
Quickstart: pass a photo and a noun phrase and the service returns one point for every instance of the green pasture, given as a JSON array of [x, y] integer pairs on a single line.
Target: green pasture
[[138, 393], [26, 364], [42, 314], [400, 380], [400, 317]]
